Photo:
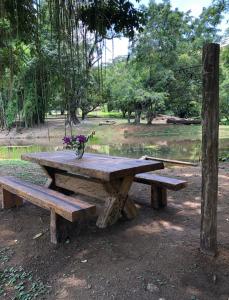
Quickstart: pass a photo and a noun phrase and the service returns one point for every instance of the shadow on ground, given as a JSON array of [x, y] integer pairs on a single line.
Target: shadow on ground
[[154, 256]]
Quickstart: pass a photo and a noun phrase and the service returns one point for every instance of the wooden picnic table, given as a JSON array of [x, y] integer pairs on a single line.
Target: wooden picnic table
[[105, 177]]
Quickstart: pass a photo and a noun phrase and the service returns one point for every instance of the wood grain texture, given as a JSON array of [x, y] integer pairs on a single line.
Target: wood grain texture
[[102, 167], [10, 200], [158, 197], [161, 181], [210, 140], [130, 210], [54, 228], [51, 182], [170, 161], [94, 188], [108, 178], [114, 205], [82, 185], [65, 206]]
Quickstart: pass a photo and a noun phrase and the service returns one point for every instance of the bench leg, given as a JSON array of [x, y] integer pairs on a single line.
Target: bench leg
[[158, 197], [10, 200], [54, 227], [59, 228]]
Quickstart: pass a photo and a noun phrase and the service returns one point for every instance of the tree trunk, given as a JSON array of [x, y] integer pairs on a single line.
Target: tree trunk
[[138, 116], [124, 114], [72, 117], [210, 114], [182, 121], [84, 115], [149, 117], [128, 116]]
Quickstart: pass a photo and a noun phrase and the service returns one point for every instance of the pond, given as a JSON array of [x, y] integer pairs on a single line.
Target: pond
[[172, 142]]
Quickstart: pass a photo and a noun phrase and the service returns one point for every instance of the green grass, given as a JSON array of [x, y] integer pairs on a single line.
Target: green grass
[[105, 114], [181, 131], [22, 169], [15, 152], [224, 157]]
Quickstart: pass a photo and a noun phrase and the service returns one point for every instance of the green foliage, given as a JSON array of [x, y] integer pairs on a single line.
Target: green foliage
[[11, 113], [164, 70], [118, 16], [23, 284], [50, 63], [16, 283], [224, 157], [224, 86]]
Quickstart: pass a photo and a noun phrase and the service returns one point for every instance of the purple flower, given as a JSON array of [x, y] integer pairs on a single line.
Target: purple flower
[[67, 140], [81, 138], [77, 141]]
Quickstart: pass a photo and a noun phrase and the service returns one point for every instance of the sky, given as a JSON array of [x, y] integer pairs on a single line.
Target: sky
[[121, 45]]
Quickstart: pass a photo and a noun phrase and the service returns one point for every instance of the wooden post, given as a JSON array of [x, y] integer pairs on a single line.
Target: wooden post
[[210, 132], [54, 227], [10, 200], [158, 197]]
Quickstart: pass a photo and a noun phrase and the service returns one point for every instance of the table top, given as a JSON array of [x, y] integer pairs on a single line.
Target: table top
[[98, 166]]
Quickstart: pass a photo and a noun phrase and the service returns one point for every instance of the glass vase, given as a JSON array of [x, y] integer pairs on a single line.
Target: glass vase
[[80, 151]]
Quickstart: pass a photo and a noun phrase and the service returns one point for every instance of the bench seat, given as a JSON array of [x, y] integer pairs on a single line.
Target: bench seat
[[60, 205], [159, 185]]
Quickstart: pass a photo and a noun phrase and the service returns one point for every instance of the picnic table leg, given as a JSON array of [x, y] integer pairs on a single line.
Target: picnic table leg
[[130, 210], [115, 202]]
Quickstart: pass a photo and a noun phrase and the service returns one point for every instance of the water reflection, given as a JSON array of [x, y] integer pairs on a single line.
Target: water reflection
[[188, 150]]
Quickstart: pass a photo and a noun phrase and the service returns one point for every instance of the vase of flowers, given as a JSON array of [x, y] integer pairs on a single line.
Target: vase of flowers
[[77, 143]]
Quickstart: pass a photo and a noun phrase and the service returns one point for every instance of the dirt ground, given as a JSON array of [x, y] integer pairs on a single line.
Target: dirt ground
[[54, 128], [155, 256]]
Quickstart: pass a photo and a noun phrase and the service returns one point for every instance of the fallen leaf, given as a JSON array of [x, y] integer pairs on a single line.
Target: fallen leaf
[[37, 235], [84, 261]]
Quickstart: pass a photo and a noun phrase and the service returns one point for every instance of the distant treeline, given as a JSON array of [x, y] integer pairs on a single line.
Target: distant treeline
[[52, 57]]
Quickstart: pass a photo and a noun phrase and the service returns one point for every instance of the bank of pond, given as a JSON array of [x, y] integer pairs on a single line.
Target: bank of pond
[[173, 142]]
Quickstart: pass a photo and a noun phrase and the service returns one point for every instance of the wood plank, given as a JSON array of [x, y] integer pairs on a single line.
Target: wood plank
[[82, 185], [170, 161], [93, 188], [51, 182], [10, 200], [102, 167], [161, 181], [67, 207], [71, 200]]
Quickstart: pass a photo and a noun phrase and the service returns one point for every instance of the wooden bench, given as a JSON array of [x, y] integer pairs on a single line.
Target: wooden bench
[[159, 185], [60, 206]]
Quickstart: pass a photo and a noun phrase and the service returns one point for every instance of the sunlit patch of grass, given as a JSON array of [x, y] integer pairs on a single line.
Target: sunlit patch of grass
[[14, 152], [105, 114], [224, 131], [22, 169]]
